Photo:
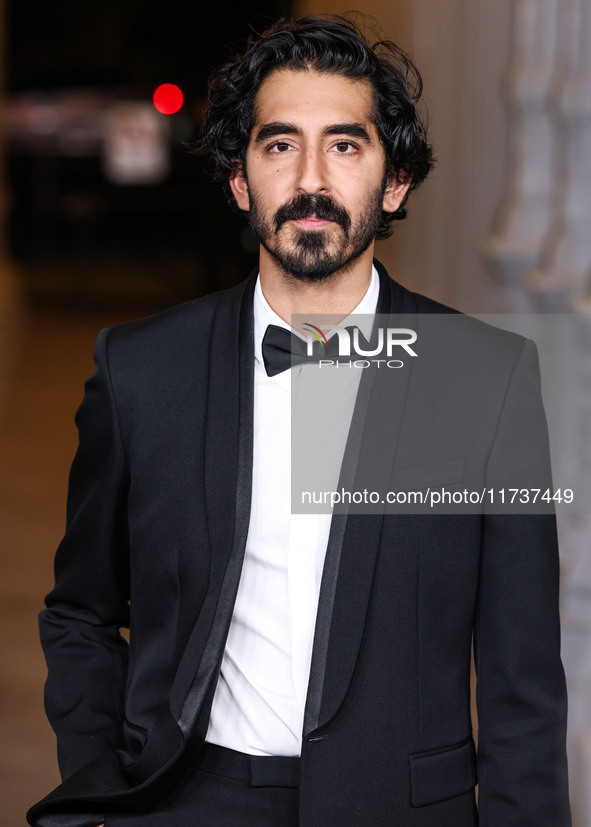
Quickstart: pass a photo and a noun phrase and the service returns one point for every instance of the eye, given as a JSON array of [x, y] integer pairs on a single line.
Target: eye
[[279, 147], [345, 147]]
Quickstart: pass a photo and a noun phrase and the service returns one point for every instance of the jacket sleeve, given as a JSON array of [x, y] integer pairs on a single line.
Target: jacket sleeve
[[521, 691], [85, 652]]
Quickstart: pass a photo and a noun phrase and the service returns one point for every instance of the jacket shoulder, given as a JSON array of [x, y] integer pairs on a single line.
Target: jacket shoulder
[[427, 305], [191, 315], [172, 333], [457, 332]]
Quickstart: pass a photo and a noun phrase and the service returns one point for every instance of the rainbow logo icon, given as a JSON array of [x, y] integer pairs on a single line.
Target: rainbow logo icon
[[316, 331]]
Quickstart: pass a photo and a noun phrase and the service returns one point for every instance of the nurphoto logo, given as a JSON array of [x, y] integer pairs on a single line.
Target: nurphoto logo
[[350, 342]]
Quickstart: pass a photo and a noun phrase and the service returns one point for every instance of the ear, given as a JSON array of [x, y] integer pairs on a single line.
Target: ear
[[239, 185], [395, 192]]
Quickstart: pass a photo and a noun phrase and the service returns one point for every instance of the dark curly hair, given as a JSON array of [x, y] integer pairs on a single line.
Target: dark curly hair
[[324, 43]]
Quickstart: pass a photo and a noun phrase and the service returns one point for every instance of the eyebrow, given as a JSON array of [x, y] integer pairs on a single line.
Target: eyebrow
[[271, 130]]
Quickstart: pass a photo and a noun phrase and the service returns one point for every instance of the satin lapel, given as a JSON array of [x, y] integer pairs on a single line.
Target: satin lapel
[[229, 418], [228, 484], [354, 539]]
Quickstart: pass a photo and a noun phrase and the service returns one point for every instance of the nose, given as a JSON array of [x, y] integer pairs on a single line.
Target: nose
[[312, 172]]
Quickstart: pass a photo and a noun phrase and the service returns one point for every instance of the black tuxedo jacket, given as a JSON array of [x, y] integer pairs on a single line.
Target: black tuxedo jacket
[[158, 514]]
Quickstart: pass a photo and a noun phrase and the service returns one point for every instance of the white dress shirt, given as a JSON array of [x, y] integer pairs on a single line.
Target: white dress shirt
[[258, 707]]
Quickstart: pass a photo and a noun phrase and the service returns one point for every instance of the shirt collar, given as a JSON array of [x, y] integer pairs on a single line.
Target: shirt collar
[[264, 314]]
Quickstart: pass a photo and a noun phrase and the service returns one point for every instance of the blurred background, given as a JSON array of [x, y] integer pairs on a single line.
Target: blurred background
[[105, 216]]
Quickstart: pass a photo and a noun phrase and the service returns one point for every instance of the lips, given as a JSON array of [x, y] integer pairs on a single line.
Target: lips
[[312, 222]]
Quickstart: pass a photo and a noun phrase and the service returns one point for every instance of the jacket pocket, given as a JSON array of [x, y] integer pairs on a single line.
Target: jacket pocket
[[442, 774]]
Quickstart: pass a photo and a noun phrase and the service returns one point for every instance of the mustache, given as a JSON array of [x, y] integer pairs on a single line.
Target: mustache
[[305, 205]]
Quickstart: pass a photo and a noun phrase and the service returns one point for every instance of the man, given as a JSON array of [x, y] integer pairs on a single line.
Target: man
[[285, 668]]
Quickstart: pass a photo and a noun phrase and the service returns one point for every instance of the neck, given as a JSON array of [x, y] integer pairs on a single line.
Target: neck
[[338, 295]]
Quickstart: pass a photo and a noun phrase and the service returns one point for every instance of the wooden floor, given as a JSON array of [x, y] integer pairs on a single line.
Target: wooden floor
[[49, 355]]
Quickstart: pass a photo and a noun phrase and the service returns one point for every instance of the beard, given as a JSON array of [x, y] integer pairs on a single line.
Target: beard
[[316, 255]]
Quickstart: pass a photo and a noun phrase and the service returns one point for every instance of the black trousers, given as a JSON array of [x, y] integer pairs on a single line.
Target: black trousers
[[224, 788]]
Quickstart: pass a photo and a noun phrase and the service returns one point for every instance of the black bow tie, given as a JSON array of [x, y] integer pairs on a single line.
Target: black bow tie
[[283, 350]]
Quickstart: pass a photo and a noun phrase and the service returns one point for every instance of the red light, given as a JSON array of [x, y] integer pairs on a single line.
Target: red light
[[168, 98]]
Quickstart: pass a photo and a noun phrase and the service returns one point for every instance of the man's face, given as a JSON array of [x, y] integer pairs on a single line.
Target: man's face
[[315, 180]]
